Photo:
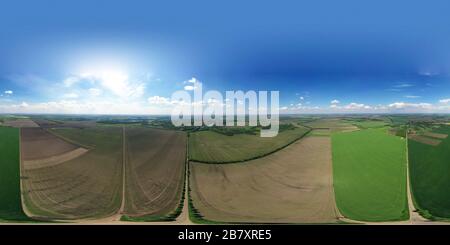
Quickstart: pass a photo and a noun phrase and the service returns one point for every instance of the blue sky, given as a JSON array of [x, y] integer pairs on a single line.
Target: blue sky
[[130, 56]]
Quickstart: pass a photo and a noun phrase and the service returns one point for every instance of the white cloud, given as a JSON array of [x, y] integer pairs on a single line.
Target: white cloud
[[191, 84], [412, 96], [189, 87], [192, 80], [9, 92], [158, 100], [68, 82], [302, 98], [445, 101], [429, 72], [403, 105], [84, 107], [335, 102], [403, 85], [116, 82], [354, 105], [70, 95], [95, 91]]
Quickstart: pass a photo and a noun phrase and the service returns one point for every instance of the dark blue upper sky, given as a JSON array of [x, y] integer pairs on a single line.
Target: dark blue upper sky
[[378, 54]]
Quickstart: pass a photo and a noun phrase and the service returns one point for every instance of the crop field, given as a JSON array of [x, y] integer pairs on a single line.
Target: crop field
[[320, 132], [88, 186], [293, 185], [10, 201], [424, 139], [369, 123], [430, 178], [38, 144], [209, 146], [370, 175], [333, 124], [20, 123], [155, 174]]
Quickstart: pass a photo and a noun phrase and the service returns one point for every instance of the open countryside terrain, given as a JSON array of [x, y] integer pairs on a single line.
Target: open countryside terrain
[[155, 164], [293, 185], [429, 170], [213, 147], [88, 186], [332, 124], [41, 148], [76, 169], [10, 200], [20, 123], [370, 175]]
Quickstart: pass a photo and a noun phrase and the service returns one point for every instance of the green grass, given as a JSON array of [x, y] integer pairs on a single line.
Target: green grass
[[430, 176], [212, 147], [364, 124], [320, 132], [10, 201], [369, 168]]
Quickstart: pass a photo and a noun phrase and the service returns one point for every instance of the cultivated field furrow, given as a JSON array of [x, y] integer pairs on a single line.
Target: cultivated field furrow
[[88, 186], [155, 172], [293, 185]]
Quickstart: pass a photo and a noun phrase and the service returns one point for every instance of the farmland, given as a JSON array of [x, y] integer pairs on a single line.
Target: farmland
[[430, 179], [362, 123], [213, 147], [20, 123], [88, 186], [293, 185], [37, 143], [155, 166], [370, 175], [333, 124], [10, 201]]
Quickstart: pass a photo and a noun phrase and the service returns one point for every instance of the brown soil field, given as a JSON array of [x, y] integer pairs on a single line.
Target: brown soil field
[[79, 124], [53, 160], [46, 123], [334, 124], [155, 163], [424, 140], [21, 123], [37, 143], [435, 135], [293, 185], [86, 187], [43, 123]]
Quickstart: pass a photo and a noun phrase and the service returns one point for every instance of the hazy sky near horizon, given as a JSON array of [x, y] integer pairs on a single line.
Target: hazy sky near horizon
[[130, 56]]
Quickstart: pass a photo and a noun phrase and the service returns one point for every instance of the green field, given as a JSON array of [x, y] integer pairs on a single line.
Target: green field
[[10, 202], [212, 147], [369, 124], [430, 176], [369, 168]]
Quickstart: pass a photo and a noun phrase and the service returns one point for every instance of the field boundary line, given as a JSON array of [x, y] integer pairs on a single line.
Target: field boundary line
[[67, 139], [257, 157], [22, 196], [414, 209], [122, 204]]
